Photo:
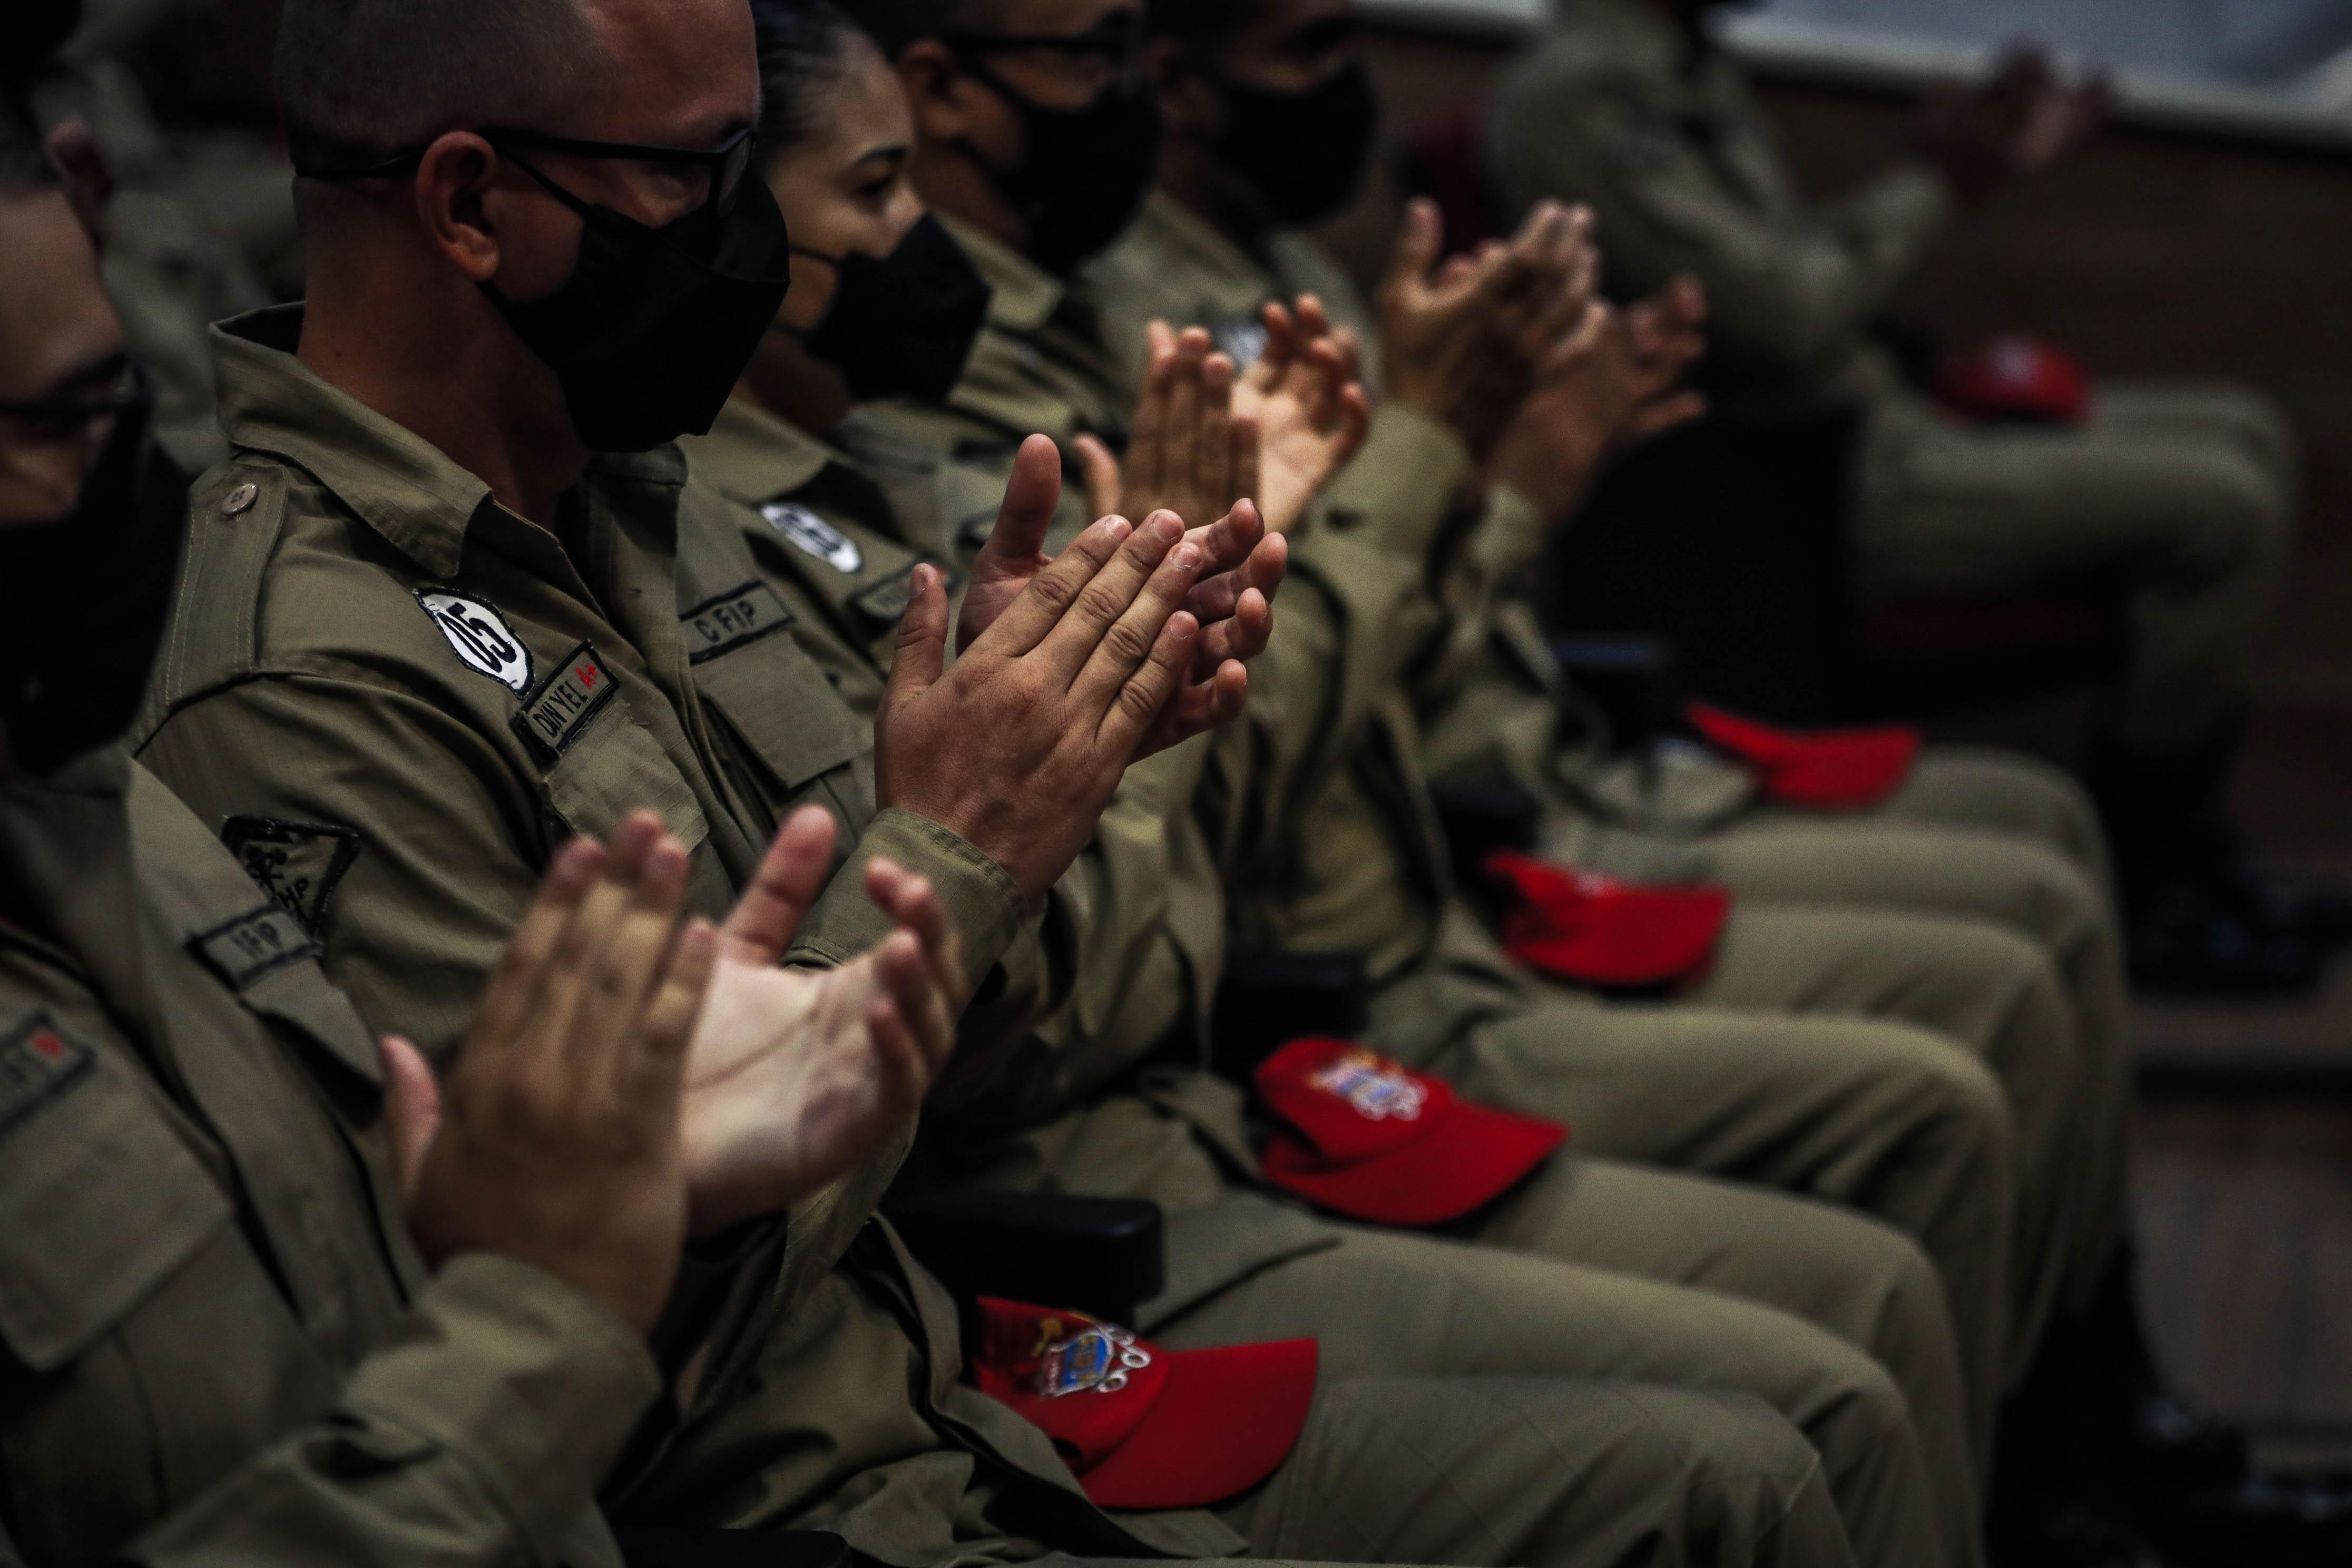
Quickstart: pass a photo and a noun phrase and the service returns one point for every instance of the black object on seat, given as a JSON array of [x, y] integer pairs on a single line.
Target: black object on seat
[[687, 1547], [1267, 999], [1631, 679], [1479, 819], [1725, 539], [1101, 1255]]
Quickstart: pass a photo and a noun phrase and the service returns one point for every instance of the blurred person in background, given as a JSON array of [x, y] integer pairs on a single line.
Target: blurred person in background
[[2182, 493]]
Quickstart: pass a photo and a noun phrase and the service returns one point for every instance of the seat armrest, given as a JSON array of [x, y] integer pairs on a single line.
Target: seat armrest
[[1101, 1255], [1481, 818], [1267, 999]]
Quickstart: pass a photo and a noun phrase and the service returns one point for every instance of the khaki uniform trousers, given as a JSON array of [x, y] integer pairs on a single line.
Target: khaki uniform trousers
[[1982, 834], [1591, 1268], [2185, 492], [1384, 1304], [851, 1421], [1932, 1081]]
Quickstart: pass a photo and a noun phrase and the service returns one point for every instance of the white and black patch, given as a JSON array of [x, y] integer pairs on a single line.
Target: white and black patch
[[735, 617], [1240, 338], [480, 637], [253, 945], [38, 1061], [813, 534], [297, 864], [553, 716]]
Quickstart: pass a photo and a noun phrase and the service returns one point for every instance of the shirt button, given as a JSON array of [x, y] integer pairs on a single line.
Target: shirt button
[[238, 499]]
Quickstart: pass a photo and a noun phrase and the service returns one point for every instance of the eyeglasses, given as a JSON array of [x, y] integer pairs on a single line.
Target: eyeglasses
[[723, 166], [117, 384]]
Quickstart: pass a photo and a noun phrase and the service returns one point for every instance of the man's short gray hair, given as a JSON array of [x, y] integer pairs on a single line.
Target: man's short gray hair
[[360, 81]]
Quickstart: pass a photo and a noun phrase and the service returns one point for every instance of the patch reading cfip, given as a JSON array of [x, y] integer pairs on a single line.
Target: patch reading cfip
[[553, 717], [735, 617], [254, 945]]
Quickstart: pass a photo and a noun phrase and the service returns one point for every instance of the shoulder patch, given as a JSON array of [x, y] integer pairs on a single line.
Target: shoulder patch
[[741, 614], [254, 945], [813, 534], [297, 864], [553, 716], [480, 636], [37, 1062]]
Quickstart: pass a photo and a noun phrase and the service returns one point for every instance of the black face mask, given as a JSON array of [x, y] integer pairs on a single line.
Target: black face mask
[[1088, 170], [902, 325], [651, 329], [1305, 152], [83, 600]]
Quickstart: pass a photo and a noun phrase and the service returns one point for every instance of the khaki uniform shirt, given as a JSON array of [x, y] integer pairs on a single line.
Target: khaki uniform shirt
[[223, 1346], [397, 698], [411, 696], [1102, 1095], [1312, 807], [1397, 604], [1039, 366], [1173, 266], [1609, 107], [1489, 695]]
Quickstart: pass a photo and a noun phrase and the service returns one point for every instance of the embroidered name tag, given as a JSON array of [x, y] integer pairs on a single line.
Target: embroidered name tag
[[813, 534], [253, 945], [479, 637], [576, 693], [297, 864], [735, 617], [37, 1063]]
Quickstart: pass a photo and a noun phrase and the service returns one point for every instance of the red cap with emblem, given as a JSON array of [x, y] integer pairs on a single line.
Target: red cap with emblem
[[1830, 770], [2016, 375], [1138, 1425], [1597, 931], [1373, 1140]]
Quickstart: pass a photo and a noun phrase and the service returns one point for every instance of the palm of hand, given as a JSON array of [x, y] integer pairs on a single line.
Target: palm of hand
[[1304, 435], [782, 1093]]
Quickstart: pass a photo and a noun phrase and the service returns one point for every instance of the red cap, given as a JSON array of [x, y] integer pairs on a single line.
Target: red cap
[[1831, 770], [2016, 376], [1376, 1140], [1587, 927], [1138, 1425]]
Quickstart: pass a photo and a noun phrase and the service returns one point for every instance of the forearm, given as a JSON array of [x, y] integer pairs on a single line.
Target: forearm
[[478, 1434], [1011, 957], [1478, 581]]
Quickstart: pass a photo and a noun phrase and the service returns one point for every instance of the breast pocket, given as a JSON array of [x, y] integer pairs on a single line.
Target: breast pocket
[[99, 1201], [776, 699], [156, 1353], [615, 768]]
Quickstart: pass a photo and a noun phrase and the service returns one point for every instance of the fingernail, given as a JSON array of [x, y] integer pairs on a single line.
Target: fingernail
[[1187, 557]]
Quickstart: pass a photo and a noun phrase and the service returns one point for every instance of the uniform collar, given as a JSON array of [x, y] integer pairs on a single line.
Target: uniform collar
[[752, 455], [1168, 228], [409, 491], [1023, 295]]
